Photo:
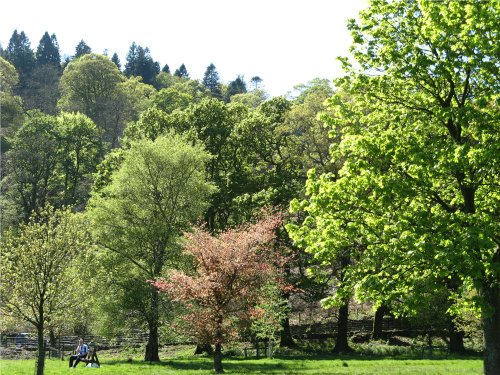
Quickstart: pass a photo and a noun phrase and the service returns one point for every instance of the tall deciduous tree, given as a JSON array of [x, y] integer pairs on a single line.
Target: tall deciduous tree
[[42, 89], [11, 104], [417, 191], [51, 160], [282, 140], [78, 157], [158, 191], [230, 271], [38, 269], [90, 85], [30, 179], [211, 122]]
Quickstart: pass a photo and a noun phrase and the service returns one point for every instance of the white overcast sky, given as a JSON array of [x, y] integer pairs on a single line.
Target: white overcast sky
[[285, 42]]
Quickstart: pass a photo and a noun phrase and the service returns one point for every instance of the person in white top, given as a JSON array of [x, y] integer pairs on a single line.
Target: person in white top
[[81, 352]]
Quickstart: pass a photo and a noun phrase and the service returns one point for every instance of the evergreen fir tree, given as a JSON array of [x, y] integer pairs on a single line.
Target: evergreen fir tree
[[116, 60], [20, 54], [238, 86], [181, 72], [48, 51], [166, 69], [212, 82], [82, 49], [140, 63]]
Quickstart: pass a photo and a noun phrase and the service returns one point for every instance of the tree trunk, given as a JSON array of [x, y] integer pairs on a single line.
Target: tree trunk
[[491, 329], [377, 333], [52, 338], [286, 339], [152, 345], [456, 344], [456, 337], [40, 362], [218, 359], [342, 345]]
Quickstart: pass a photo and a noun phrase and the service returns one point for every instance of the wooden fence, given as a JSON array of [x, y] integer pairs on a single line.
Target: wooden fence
[[66, 344]]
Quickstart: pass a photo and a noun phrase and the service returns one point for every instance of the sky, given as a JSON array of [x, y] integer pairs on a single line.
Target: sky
[[284, 42]]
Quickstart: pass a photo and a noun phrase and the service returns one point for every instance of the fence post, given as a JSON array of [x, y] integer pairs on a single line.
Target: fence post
[[59, 352]]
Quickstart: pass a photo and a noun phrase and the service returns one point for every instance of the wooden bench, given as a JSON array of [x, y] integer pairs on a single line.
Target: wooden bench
[[91, 355]]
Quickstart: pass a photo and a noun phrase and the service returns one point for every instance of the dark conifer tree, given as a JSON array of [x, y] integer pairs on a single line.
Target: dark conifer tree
[[166, 69], [238, 86], [48, 51], [116, 60], [212, 82], [140, 63], [65, 63], [256, 81], [81, 49], [181, 72], [20, 54]]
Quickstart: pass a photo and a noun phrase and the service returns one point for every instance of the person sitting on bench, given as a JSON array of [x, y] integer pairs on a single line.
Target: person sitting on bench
[[81, 352]]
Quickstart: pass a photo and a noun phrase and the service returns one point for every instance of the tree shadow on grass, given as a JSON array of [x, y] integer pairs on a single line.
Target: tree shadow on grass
[[278, 365], [238, 367]]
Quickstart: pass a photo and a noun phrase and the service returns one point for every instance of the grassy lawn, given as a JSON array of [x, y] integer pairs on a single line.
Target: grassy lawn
[[297, 365]]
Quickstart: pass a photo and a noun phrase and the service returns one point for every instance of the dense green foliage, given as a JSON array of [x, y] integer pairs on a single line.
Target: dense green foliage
[[395, 177], [39, 268], [11, 104], [50, 161], [138, 219], [416, 198]]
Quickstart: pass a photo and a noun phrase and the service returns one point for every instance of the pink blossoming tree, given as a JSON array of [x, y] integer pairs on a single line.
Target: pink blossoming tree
[[222, 293]]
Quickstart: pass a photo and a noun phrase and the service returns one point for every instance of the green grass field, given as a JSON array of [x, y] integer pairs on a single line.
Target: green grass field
[[297, 365]]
